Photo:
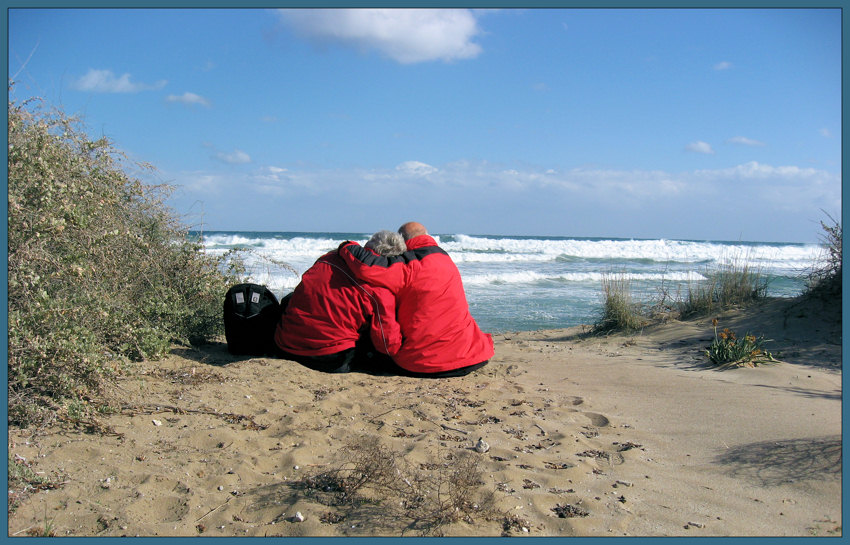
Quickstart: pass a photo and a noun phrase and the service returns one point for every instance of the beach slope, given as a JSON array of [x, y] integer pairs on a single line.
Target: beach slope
[[629, 434]]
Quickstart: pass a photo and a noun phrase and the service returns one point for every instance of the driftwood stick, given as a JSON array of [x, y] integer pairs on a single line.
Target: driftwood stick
[[452, 429], [213, 509], [151, 409]]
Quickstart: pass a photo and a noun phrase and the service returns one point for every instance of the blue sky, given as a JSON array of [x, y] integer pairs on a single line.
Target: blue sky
[[647, 123]]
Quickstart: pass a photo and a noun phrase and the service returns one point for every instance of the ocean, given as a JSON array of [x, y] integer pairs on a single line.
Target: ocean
[[525, 283]]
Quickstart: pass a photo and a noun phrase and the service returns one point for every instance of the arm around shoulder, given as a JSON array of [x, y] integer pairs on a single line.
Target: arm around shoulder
[[366, 265]]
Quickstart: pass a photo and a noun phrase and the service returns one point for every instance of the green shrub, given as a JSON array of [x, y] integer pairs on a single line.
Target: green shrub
[[619, 311], [733, 283], [727, 348], [101, 273]]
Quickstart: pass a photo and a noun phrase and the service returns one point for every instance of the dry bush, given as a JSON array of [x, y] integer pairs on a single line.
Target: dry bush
[[424, 499], [824, 281]]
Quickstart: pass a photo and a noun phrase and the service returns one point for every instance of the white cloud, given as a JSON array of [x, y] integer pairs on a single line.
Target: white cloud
[[404, 35], [724, 65], [734, 196], [199, 182], [104, 81], [464, 177], [272, 174], [776, 201], [826, 133], [237, 157], [415, 168], [700, 147], [788, 188], [757, 171], [188, 99], [743, 140]]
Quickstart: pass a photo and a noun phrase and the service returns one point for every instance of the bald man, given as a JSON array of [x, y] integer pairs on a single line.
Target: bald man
[[439, 336], [412, 229]]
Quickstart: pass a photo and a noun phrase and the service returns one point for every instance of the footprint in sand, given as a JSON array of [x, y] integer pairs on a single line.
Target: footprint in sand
[[161, 509], [598, 420]]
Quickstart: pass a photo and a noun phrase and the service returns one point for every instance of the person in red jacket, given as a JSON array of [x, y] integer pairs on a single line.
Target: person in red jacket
[[331, 319], [439, 336]]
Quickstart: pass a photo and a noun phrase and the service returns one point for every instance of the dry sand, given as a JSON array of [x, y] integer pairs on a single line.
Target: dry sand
[[635, 431]]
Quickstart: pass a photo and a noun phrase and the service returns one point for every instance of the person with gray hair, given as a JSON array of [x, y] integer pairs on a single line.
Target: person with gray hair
[[333, 322], [387, 243]]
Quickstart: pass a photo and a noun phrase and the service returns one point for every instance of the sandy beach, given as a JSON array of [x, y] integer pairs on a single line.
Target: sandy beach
[[624, 435]]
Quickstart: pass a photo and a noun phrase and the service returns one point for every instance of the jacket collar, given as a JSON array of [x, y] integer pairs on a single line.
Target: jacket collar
[[420, 241]]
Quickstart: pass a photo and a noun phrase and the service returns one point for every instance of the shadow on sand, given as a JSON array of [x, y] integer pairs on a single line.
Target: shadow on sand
[[773, 463]]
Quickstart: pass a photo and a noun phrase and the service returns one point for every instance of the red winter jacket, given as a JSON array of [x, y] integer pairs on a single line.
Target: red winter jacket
[[329, 309], [439, 334]]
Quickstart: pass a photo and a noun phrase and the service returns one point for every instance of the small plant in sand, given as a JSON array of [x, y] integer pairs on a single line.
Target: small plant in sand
[[728, 349]]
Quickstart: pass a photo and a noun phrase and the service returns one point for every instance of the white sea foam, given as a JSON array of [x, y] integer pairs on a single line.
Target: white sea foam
[[282, 247], [530, 277], [466, 248]]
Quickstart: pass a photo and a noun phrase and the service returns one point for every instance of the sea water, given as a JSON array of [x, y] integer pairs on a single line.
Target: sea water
[[524, 283]]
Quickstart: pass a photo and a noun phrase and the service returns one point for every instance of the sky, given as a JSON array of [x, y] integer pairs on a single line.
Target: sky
[[702, 124]]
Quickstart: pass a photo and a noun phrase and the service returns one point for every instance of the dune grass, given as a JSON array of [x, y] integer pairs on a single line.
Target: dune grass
[[733, 282], [620, 311]]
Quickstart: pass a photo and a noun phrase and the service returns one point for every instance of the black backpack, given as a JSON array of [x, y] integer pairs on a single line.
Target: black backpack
[[251, 313]]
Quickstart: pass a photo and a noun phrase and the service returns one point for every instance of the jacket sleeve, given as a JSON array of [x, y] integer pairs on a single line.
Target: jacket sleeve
[[366, 265], [385, 331]]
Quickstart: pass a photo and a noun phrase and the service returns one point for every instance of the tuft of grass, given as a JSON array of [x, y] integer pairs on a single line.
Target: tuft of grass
[[620, 312], [732, 283], [728, 349], [101, 272]]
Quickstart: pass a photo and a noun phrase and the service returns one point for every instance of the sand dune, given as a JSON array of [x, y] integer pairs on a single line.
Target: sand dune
[[622, 435]]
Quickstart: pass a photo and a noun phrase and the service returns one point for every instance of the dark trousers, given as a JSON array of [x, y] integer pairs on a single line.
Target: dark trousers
[[365, 358], [340, 362], [385, 365]]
